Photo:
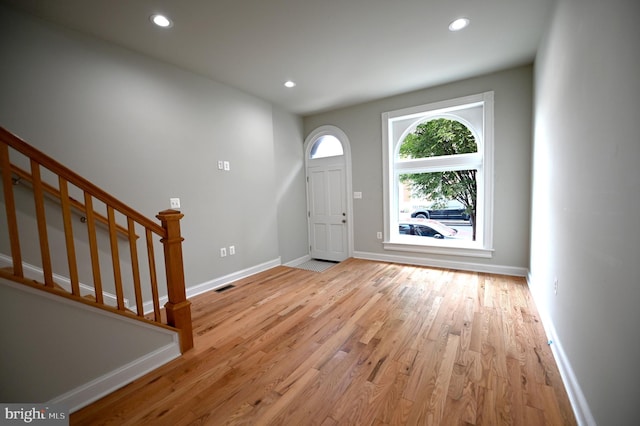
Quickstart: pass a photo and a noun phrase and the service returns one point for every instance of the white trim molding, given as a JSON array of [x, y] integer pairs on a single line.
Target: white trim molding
[[101, 386], [225, 280], [346, 146], [576, 396], [90, 392], [36, 273], [447, 264], [449, 251], [298, 261], [476, 113]]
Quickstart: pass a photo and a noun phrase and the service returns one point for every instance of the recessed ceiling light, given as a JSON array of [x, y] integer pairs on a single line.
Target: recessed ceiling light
[[161, 21], [289, 84], [459, 24]]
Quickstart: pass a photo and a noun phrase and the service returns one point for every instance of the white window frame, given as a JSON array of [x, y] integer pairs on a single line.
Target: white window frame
[[395, 126]]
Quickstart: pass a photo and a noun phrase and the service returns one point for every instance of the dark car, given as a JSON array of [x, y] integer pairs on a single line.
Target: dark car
[[453, 211], [426, 228]]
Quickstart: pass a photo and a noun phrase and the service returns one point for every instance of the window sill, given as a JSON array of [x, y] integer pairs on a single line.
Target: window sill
[[444, 249]]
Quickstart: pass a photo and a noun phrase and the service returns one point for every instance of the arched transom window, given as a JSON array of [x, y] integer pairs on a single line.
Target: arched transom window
[[326, 146]]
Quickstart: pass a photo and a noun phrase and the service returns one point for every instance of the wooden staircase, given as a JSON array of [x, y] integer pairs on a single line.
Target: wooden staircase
[[106, 220]]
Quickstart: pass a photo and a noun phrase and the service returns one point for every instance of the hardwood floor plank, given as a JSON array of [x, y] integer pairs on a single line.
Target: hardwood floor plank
[[392, 401], [363, 343], [291, 393], [438, 399], [328, 348]]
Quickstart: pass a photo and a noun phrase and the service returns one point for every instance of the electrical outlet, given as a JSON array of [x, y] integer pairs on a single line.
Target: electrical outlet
[[232, 250], [223, 252], [174, 202], [220, 165], [379, 235], [555, 286]]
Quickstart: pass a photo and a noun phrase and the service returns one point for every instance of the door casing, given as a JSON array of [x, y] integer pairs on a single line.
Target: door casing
[[346, 161]]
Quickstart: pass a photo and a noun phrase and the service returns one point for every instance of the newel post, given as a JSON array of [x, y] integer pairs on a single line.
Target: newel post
[[178, 308]]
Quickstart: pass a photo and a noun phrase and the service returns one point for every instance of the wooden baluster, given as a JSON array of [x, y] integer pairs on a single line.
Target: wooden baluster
[[38, 195], [152, 275], [68, 236], [135, 268], [24, 176], [10, 207], [115, 257], [178, 308], [93, 247]]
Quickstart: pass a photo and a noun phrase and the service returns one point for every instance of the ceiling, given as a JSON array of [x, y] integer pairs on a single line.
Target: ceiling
[[339, 52]]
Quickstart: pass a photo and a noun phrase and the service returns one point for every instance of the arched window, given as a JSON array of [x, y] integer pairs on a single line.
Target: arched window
[[438, 161], [326, 146]]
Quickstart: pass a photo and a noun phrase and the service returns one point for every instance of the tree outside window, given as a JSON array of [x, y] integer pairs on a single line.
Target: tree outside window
[[437, 138]]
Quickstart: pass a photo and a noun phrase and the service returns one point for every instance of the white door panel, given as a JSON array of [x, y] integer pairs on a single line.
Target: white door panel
[[328, 212]]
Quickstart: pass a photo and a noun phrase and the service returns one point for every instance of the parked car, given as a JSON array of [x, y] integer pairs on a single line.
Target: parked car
[[426, 228], [453, 211]]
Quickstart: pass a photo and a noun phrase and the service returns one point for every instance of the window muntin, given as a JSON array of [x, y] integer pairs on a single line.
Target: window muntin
[[474, 113], [326, 146]]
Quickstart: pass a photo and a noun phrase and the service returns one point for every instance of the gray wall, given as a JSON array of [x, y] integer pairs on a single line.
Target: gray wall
[[291, 191], [512, 146], [146, 131], [586, 199], [57, 346]]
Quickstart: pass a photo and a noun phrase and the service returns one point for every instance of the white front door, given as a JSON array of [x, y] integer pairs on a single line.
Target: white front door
[[328, 212]]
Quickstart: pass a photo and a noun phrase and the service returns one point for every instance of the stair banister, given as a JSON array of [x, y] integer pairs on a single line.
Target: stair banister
[[177, 308]]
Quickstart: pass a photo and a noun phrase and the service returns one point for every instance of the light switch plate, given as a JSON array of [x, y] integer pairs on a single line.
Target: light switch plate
[[357, 195]]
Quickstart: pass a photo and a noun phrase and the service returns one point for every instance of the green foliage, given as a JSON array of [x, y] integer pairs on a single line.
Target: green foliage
[[440, 187], [438, 138]]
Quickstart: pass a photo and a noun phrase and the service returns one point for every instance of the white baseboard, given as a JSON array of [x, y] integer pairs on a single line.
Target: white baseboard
[[298, 261], [578, 401], [228, 279], [90, 392], [36, 273], [447, 264], [87, 393]]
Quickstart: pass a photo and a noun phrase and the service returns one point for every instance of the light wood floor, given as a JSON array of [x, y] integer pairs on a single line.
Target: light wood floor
[[364, 343]]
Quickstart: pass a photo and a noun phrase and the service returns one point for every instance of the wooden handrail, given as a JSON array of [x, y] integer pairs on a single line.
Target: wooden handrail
[[58, 169], [177, 308], [25, 175]]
